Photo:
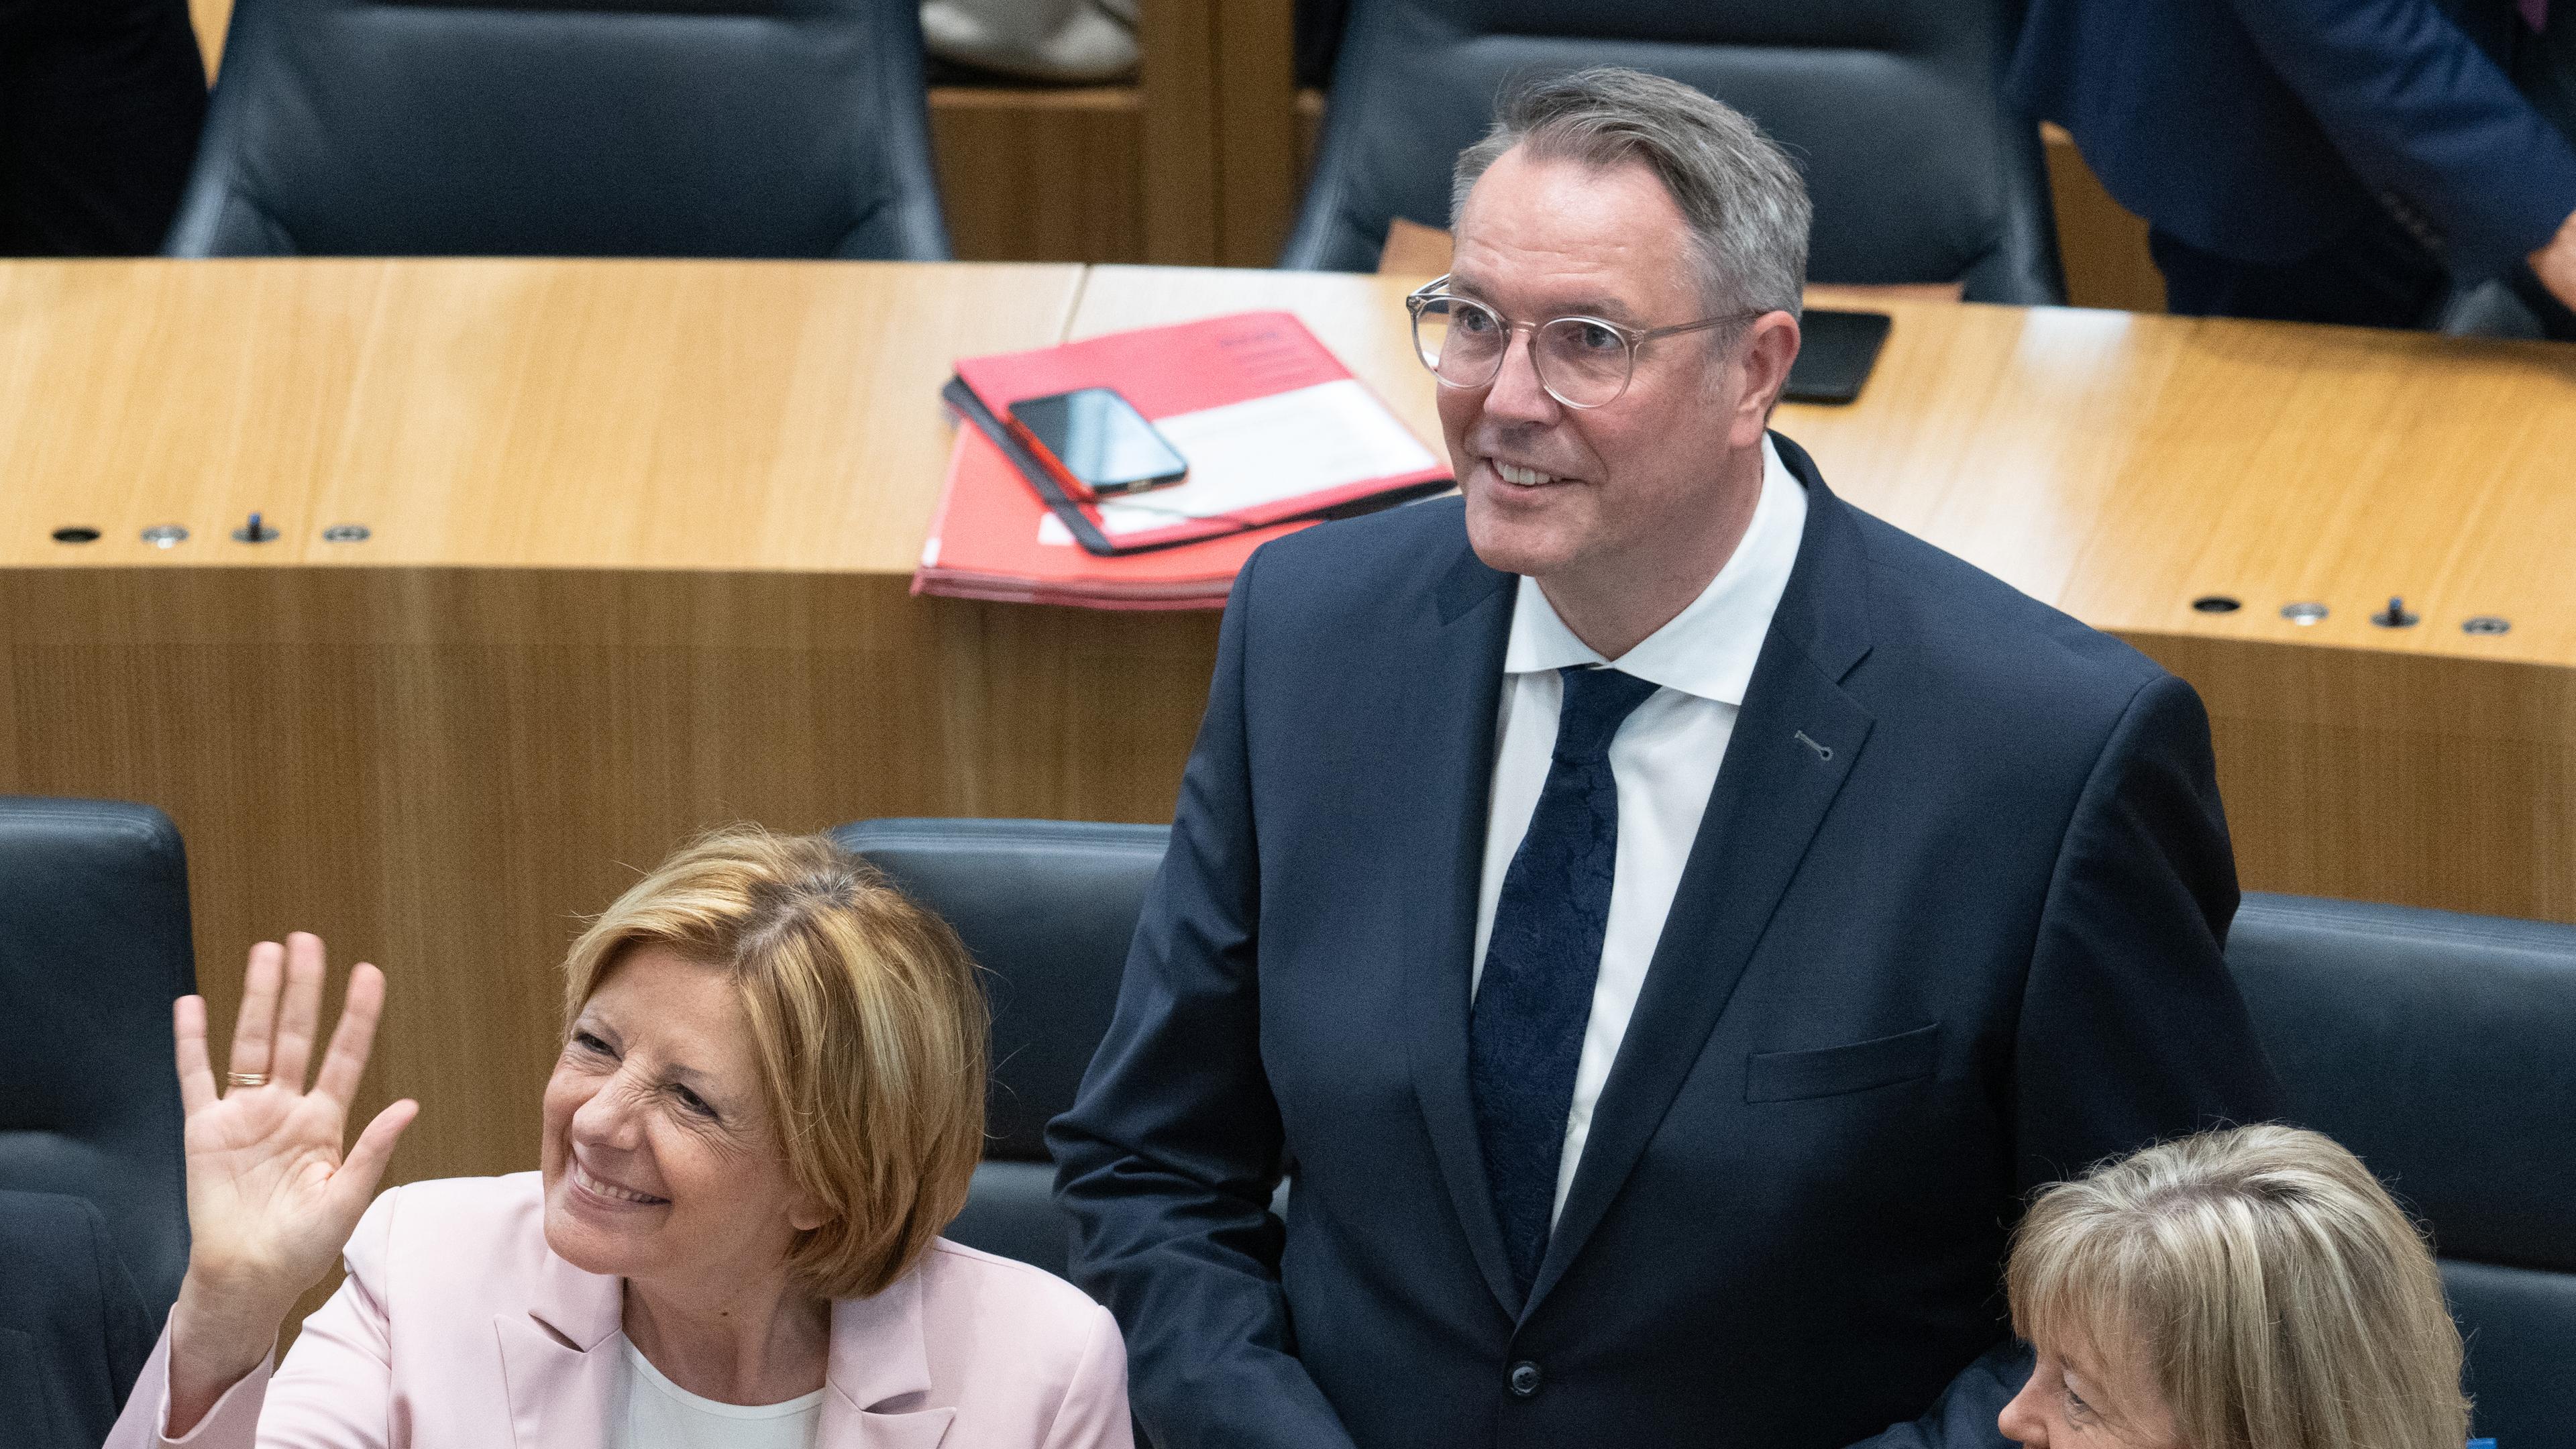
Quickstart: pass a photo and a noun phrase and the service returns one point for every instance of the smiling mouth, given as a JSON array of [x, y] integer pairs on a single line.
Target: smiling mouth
[[1520, 477], [610, 1191]]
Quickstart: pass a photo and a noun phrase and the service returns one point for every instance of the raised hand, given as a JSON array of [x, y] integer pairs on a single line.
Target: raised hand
[[271, 1199]]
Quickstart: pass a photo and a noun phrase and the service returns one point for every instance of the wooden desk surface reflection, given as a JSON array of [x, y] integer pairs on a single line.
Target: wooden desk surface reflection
[[641, 534], [758, 416]]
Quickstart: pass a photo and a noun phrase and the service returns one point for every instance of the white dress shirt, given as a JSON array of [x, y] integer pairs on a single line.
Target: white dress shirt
[[1665, 760]]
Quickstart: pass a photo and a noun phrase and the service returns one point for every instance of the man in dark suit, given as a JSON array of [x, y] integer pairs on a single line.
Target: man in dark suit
[[2317, 160], [1658, 918], [73, 1330]]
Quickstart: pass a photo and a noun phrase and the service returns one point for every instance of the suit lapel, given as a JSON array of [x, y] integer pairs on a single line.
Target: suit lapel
[[559, 1365], [1446, 758], [1793, 745], [880, 1372], [559, 1361]]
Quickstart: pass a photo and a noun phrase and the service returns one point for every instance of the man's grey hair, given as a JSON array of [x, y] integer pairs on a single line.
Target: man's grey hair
[[1741, 194]]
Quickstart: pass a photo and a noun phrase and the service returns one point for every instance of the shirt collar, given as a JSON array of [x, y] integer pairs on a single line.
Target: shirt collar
[[1708, 649]]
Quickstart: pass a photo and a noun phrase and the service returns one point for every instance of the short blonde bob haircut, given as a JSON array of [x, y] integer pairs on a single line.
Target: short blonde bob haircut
[[866, 1019], [2280, 1295]]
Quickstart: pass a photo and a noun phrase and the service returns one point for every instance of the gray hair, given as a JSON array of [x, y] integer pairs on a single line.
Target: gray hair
[[1746, 206]]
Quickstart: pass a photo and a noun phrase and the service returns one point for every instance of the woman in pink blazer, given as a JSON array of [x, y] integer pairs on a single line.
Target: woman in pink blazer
[[770, 1100]]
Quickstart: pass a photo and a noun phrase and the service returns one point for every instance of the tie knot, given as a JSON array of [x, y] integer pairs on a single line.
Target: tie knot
[[1596, 701]]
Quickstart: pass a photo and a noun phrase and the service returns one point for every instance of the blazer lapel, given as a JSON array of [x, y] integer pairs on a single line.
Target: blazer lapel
[[1793, 746], [557, 1365], [1446, 754], [879, 1373]]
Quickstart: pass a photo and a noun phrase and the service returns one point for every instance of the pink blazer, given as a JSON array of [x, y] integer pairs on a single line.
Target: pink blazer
[[457, 1328]]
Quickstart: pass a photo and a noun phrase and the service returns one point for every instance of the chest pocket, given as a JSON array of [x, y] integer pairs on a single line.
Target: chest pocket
[[1835, 1070]]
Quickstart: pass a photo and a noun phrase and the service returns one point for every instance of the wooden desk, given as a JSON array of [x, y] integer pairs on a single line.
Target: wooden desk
[[641, 534], [641, 541]]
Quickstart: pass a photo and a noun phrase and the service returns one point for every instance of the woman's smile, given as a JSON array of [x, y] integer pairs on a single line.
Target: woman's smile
[[607, 1194]]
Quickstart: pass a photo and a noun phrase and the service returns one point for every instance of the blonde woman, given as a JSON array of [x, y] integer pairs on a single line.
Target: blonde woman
[[769, 1102], [2246, 1289]]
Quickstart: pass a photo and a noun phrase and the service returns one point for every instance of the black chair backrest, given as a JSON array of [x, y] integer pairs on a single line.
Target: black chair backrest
[[2441, 1048], [94, 947], [733, 128], [1048, 908], [1891, 106]]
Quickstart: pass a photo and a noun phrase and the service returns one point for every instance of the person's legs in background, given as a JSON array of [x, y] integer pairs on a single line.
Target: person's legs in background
[[2379, 275], [100, 105]]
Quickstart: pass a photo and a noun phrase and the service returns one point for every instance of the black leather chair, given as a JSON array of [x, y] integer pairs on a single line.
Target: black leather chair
[[2442, 1049], [1048, 908], [735, 128], [73, 1330], [1917, 171], [94, 947]]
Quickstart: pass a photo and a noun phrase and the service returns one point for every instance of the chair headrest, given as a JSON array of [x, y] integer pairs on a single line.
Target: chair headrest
[[2439, 1047], [1048, 907], [94, 946]]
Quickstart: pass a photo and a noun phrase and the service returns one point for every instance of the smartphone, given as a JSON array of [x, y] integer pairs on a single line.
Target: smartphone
[[1096, 443], [1836, 350]]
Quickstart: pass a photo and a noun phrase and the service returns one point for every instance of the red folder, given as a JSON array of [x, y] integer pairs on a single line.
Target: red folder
[[1178, 374], [988, 541]]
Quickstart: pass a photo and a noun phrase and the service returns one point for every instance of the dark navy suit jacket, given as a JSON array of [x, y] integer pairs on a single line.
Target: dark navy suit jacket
[[2262, 129], [73, 1329], [1965, 942]]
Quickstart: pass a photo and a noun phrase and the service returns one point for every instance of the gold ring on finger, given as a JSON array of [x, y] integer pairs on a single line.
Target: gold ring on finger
[[246, 1079]]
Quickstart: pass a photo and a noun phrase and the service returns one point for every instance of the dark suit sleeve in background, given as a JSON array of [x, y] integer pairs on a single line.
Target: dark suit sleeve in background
[[1168, 1159], [1969, 1410], [2131, 1029], [2415, 107]]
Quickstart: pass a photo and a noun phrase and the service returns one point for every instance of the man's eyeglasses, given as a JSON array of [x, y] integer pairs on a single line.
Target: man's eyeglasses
[[1583, 362]]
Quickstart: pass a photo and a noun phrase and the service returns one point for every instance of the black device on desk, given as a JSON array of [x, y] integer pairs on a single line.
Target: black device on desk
[[1096, 443], [1836, 350]]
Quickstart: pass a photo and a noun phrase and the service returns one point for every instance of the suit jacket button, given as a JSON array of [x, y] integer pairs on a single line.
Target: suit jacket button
[[1524, 1379]]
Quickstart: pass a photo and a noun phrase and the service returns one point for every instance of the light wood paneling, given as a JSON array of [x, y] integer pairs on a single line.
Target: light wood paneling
[[754, 415], [440, 770], [2409, 778], [1259, 174], [210, 17], [1030, 175], [2121, 466], [2104, 245], [441, 763], [1176, 45]]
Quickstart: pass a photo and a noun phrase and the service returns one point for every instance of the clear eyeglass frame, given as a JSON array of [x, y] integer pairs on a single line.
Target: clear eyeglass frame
[[1431, 351]]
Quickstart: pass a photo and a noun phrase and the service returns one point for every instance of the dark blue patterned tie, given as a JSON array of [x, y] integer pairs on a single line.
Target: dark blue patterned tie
[[1525, 1036]]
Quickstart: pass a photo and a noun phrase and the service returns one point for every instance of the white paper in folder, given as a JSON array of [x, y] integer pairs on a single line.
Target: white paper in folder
[[1246, 454]]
